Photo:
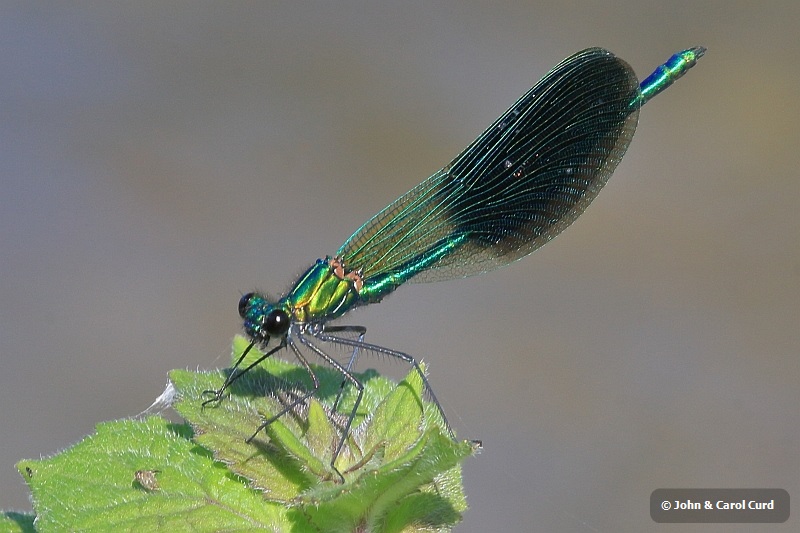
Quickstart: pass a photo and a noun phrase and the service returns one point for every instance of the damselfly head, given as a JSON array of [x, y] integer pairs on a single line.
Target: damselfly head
[[262, 319]]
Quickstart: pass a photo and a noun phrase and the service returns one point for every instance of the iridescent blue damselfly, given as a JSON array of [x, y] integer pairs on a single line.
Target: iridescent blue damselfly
[[517, 186]]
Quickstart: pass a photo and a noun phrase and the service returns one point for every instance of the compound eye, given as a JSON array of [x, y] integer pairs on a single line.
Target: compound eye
[[244, 303], [277, 323]]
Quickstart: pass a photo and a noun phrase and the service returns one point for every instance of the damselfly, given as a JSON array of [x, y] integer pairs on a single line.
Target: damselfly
[[518, 185]]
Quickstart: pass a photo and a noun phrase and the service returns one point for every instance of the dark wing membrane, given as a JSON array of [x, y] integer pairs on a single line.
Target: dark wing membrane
[[517, 186]]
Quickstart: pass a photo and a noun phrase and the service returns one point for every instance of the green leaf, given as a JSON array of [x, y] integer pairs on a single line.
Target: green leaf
[[397, 422], [393, 494], [401, 468], [93, 486]]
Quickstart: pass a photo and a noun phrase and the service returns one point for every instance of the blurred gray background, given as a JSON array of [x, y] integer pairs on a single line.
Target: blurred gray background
[[159, 159]]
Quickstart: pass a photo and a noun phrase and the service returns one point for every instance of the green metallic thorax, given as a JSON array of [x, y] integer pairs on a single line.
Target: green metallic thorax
[[320, 294]]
